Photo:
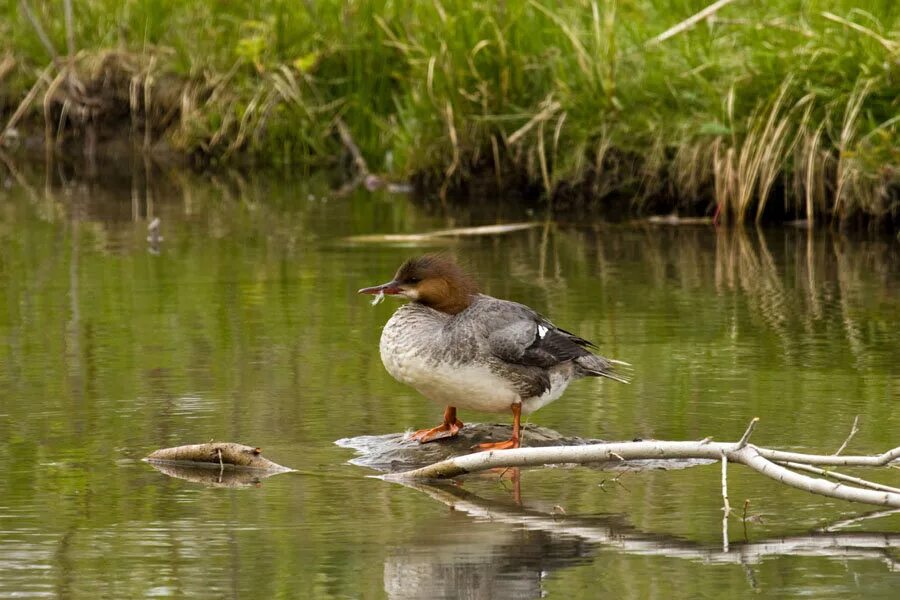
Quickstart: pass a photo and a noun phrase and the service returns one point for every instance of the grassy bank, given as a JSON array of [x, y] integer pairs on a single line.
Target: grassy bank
[[762, 101]]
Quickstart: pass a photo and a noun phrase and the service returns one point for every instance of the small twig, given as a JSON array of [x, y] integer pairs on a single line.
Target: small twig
[[617, 480], [746, 437], [726, 509], [853, 431], [744, 519], [689, 22], [550, 108], [347, 139], [221, 464]]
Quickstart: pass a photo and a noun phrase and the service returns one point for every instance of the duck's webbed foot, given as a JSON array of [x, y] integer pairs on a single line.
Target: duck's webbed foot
[[507, 445], [448, 429], [512, 442]]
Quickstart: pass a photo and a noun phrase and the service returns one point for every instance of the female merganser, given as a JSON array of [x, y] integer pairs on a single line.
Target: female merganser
[[465, 349]]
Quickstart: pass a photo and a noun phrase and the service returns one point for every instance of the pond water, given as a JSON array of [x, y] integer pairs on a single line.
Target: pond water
[[243, 324]]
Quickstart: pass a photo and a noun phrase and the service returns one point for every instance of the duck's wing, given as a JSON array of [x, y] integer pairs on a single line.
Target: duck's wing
[[520, 336]]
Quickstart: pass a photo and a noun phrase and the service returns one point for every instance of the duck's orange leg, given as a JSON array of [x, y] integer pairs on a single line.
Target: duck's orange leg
[[510, 443], [449, 428]]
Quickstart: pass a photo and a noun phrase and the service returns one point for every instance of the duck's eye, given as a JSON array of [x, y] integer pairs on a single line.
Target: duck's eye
[[413, 280]]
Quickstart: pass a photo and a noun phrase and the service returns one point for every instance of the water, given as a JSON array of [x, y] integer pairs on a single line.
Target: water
[[244, 325]]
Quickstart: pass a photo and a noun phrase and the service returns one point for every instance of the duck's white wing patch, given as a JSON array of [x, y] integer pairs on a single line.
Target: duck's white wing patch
[[542, 331]]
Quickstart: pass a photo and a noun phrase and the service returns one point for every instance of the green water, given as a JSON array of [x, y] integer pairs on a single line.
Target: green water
[[244, 325]]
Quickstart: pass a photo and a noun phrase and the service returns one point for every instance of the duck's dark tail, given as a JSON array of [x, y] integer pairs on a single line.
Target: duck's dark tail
[[593, 365]]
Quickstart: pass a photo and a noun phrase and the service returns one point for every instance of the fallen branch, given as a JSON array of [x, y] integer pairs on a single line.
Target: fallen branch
[[763, 460]]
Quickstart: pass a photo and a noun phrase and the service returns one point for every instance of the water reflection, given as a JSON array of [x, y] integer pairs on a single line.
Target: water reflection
[[246, 326], [509, 550], [214, 477]]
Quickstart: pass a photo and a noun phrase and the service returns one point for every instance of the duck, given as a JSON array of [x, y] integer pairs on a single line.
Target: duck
[[465, 349]]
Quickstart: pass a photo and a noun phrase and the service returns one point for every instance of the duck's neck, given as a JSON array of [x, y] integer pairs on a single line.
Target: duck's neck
[[451, 305], [447, 297]]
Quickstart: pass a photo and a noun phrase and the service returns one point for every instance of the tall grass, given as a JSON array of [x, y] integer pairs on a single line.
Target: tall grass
[[794, 98]]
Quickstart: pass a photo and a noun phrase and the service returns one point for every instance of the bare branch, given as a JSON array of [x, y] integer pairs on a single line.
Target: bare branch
[[830, 459], [746, 437], [759, 459], [751, 457], [853, 430], [841, 477]]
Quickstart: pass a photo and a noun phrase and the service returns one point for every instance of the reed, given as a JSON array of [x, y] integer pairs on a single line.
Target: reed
[[650, 99]]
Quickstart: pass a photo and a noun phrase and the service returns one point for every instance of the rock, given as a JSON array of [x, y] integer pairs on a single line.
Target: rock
[[394, 452]]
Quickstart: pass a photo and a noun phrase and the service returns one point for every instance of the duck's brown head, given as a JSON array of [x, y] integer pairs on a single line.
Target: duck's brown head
[[433, 280]]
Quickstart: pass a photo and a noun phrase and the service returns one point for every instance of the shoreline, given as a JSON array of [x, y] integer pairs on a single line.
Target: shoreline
[[754, 113], [476, 200]]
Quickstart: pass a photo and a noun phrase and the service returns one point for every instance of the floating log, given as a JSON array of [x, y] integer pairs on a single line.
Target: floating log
[[216, 455], [391, 238]]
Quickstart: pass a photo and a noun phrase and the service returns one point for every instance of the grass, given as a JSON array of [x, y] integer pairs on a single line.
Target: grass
[[793, 100]]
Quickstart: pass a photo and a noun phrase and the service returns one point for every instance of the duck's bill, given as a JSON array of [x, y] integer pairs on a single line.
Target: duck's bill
[[391, 288]]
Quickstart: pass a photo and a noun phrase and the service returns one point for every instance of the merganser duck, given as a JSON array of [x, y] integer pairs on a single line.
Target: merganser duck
[[469, 350]]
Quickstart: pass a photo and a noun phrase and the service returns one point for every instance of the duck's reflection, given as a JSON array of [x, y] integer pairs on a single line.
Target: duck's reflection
[[490, 564], [487, 561], [512, 549]]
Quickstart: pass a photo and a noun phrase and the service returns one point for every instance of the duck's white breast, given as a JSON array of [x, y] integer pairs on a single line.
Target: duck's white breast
[[416, 350], [467, 385]]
